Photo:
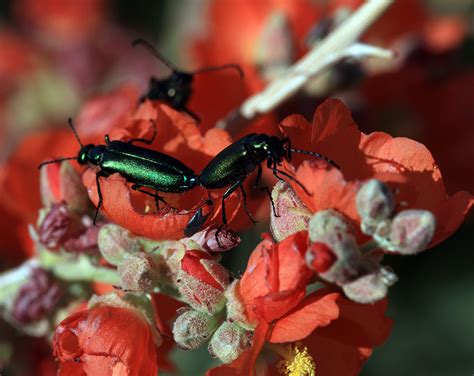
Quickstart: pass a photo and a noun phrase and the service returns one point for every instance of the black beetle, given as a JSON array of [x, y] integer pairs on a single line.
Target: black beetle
[[176, 89], [140, 166]]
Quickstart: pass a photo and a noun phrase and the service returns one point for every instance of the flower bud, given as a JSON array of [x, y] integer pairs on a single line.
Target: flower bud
[[37, 297], [56, 226], [137, 273], [206, 239], [293, 216], [412, 231], [116, 243], [85, 242], [375, 203], [370, 287], [61, 182], [229, 342], [202, 281], [328, 220], [335, 256], [193, 328], [235, 306]]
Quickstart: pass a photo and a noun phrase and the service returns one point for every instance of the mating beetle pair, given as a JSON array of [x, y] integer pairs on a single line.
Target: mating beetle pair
[[146, 168]]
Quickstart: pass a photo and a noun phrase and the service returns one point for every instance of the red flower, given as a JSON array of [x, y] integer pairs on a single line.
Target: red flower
[[273, 291], [106, 341], [405, 165], [438, 101]]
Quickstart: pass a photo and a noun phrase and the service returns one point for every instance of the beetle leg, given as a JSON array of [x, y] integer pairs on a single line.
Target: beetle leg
[[265, 188], [155, 195], [244, 196], [99, 193], [144, 140], [277, 171], [226, 194]]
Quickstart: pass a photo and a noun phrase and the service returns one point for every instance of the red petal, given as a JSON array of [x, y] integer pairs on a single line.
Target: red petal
[[333, 134], [275, 278], [104, 113], [191, 264], [117, 206], [328, 187], [342, 347], [316, 310], [361, 325]]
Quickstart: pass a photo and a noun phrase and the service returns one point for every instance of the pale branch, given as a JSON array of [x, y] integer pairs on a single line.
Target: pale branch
[[339, 45]]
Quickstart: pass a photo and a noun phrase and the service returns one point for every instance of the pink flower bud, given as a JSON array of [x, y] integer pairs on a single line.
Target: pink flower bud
[[202, 281], [56, 226], [371, 286], [412, 231], [329, 220], [293, 216], [37, 297], [85, 242], [137, 273], [227, 239], [193, 328], [375, 203], [229, 342], [335, 256]]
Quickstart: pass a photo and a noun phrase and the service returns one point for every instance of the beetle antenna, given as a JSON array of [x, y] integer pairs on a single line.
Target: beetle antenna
[[314, 155], [56, 161], [154, 52], [71, 125], [224, 66]]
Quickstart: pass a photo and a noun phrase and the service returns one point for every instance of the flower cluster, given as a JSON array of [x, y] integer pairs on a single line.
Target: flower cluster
[[119, 279]]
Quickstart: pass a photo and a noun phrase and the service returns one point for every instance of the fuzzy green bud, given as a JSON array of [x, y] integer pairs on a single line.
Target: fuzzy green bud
[[229, 342], [192, 329]]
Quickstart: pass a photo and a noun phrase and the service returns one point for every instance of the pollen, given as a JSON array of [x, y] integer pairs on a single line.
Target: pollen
[[297, 362]]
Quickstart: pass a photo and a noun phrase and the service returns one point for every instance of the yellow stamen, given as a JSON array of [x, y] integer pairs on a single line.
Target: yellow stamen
[[297, 362]]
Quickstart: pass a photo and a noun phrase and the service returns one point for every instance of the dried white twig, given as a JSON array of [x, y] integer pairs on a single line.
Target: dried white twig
[[340, 44]]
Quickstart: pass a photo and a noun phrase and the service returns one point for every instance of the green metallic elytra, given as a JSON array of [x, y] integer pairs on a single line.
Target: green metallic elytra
[[147, 168]]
